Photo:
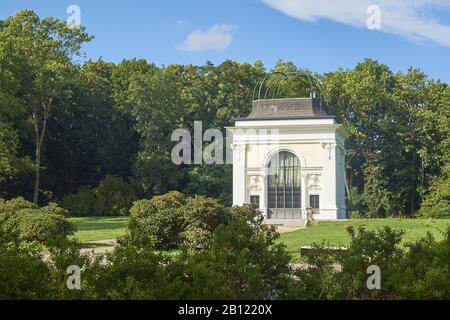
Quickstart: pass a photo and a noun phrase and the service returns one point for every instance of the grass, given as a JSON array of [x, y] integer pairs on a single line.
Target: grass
[[91, 229], [99, 228], [335, 232]]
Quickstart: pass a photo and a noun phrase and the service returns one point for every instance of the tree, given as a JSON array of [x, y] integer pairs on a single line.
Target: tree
[[157, 108], [41, 51], [12, 161], [397, 127], [89, 136]]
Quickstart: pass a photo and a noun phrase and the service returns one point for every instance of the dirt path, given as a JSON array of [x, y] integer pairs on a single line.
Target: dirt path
[[100, 246]]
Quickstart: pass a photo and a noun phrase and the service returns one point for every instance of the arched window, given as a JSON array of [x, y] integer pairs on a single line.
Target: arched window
[[284, 186]]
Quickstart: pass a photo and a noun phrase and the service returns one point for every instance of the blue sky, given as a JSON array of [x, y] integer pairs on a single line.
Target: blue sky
[[320, 35]]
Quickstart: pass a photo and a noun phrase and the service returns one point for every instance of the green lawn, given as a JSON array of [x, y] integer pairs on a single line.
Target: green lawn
[[99, 228], [103, 228], [335, 232]]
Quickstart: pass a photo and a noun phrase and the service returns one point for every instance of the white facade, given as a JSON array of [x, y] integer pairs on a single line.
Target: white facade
[[318, 143]]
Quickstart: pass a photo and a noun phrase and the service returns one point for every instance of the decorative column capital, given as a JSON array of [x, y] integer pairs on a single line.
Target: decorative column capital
[[239, 149], [330, 146]]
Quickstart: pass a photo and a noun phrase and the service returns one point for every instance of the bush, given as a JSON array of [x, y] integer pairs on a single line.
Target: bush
[[81, 203], [170, 220], [380, 248], [241, 261], [424, 272], [21, 220], [421, 272], [202, 215], [23, 274], [130, 272], [250, 262], [114, 197], [158, 221], [437, 202]]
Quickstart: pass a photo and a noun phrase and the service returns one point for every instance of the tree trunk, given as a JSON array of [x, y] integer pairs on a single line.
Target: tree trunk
[[37, 175], [39, 141], [347, 184]]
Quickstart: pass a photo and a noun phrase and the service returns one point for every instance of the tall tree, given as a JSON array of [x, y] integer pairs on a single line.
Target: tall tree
[[396, 123], [42, 51]]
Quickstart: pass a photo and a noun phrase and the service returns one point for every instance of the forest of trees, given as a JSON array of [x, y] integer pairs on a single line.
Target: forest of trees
[[73, 131]]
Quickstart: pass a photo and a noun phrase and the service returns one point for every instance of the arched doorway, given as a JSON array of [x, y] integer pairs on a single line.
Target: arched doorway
[[284, 187]]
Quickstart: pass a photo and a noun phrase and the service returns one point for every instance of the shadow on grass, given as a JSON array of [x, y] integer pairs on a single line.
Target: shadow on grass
[[100, 223]]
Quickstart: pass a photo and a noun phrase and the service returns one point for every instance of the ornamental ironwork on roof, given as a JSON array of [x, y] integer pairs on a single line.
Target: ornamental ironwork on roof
[[268, 105]]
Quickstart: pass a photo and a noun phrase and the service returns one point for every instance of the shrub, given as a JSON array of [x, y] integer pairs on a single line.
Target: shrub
[[158, 221], [21, 220], [437, 202], [130, 272], [16, 204], [380, 248], [114, 197], [421, 272], [81, 203], [241, 261], [170, 220], [23, 273], [202, 215], [424, 273], [247, 213]]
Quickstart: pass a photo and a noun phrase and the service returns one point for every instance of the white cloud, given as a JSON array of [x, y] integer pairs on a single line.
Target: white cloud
[[407, 18], [217, 38]]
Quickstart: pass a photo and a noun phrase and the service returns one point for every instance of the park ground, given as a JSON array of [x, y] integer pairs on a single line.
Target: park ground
[[100, 232]]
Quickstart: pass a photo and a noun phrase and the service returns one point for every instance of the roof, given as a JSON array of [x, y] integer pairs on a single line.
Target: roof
[[287, 108]]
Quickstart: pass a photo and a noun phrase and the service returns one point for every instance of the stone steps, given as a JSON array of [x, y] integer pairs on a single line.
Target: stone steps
[[286, 222]]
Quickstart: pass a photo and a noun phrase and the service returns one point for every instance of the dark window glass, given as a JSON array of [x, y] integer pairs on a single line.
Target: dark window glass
[[255, 200], [314, 201], [283, 188]]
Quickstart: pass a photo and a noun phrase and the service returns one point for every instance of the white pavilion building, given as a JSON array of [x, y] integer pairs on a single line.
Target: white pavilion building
[[288, 155]]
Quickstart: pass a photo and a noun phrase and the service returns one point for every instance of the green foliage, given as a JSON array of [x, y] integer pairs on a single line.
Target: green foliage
[[21, 220], [80, 204], [380, 248], [130, 272], [38, 54], [26, 274], [251, 264], [213, 181], [10, 164], [114, 197], [437, 201], [90, 137], [202, 216], [241, 261], [420, 272], [424, 272], [396, 122], [170, 220], [23, 273], [319, 281], [82, 123], [158, 221]]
